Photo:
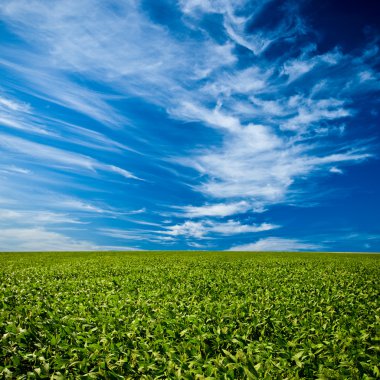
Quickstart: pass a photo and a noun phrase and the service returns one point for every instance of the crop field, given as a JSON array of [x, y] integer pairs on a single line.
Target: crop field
[[189, 315]]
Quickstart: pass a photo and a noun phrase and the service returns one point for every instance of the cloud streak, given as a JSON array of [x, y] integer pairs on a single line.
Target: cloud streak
[[40, 239], [277, 244], [215, 210], [58, 158], [200, 230]]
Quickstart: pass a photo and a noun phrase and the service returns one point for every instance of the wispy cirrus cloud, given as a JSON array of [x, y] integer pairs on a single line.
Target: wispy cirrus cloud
[[239, 16], [191, 229], [215, 210], [22, 116], [39, 239], [50, 84], [336, 170], [33, 217], [145, 58], [257, 163], [54, 157], [135, 235], [277, 244]]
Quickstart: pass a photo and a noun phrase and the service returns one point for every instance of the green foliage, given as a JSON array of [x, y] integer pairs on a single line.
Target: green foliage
[[189, 315]]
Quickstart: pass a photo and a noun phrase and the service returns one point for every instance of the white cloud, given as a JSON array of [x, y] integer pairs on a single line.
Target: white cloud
[[336, 170], [122, 172], [296, 68], [13, 105], [15, 169], [53, 157], [139, 235], [146, 61], [34, 217], [192, 6], [75, 134], [251, 80], [48, 84], [214, 118], [197, 245], [277, 244], [257, 164], [232, 227], [40, 239], [309, 112], [258, 41], [215, 210], [74, 205], [18, 115], [190, 229], [236, 25]]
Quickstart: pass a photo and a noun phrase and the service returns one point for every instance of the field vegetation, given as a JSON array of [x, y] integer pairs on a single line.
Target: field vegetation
[[189, 315]]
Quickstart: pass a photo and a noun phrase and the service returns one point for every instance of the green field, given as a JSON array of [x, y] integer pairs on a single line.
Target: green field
[[189, 315]]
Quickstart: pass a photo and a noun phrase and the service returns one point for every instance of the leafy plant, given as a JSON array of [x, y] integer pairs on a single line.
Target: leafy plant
[[189, 315]]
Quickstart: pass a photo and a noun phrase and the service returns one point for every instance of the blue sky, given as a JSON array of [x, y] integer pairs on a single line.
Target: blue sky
[[189, 124]]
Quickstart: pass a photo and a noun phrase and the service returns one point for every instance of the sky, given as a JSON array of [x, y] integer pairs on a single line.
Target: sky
[[189, 124]]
